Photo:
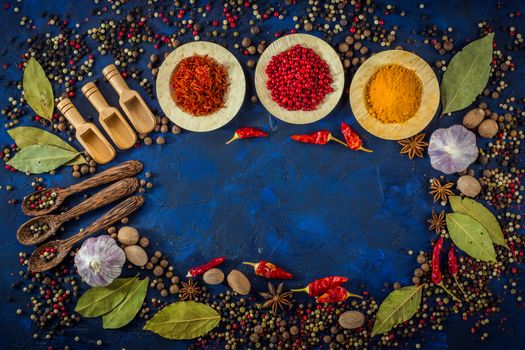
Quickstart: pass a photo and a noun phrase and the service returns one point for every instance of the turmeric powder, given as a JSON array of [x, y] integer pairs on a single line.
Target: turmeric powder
[[393, 94]]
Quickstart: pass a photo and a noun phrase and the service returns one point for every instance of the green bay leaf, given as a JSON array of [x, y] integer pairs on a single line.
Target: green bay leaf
[[37, 159], [37, 89], [470, 236], [26, 136], [467, 75], [482, 215], [399, 306], [125, 312], [184, 320], [98, 301]]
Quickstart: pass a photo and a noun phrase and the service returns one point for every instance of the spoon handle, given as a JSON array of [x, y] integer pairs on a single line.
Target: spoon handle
[[107, 195], [119, 212], [121, 171]]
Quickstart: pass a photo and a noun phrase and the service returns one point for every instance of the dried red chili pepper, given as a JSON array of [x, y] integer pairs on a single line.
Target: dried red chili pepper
[[453, 268], [437, 276], [353, 140], [335, 295], [247, 132], [199, 270], [267, 269], [322, 285], [321, 137]]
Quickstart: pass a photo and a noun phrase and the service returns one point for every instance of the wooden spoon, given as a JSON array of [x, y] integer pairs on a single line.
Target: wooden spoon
[[61, 248], [53, 222], [121, 171]]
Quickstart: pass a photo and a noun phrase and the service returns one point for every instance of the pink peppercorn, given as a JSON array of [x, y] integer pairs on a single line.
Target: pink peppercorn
[[298, 79]]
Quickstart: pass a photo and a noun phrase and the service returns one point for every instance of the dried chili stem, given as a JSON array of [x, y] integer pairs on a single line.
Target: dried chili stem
[[332, 138], [459, 286], [449, 292]]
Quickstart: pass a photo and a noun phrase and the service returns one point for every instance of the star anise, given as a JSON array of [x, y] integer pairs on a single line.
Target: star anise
[[189, 290], [437, 221], [439, 191], [275, 298], [413, 146]]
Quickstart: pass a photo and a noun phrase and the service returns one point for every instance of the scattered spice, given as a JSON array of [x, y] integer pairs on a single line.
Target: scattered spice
[[440, 191], [393, 94], [190, 290], [247, 132], [199, 85], [437, 221], [322, 285], [267, 269], [413, 146], [353, 140], [199, 270], [335, 295], [321, 137], [276, 299]]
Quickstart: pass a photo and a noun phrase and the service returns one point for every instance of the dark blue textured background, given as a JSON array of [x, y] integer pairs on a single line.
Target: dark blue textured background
[[313, 210]]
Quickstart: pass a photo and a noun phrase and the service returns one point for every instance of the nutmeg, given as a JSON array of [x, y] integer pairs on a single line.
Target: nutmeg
[[473, 118], [136, 255], [128, 235], [469, 186], [488, 128]]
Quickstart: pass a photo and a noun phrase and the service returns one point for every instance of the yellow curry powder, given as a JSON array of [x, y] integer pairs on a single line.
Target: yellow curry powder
[[393, 94]]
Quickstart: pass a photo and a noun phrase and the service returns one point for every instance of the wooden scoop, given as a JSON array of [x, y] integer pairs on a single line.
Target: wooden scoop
[[110, 118], [61, 248], [121, 171], [53, 222], [87, 134], [131, 102]]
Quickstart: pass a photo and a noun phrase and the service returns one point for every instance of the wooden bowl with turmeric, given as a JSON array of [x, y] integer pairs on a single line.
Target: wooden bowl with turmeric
[[394, 94]]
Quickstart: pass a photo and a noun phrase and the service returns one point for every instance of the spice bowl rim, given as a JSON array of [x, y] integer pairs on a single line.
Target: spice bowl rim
[[321, 48], [430, 95], [234, 95]]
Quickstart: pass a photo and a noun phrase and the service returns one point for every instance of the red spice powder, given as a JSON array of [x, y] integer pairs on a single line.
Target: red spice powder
[[199, 85], [298, 78]]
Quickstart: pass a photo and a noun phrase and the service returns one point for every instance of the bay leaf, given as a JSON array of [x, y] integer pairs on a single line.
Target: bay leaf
[[482, 215], [37, 159], [126, 311], [98, 301], [26, 136], [467, 75], [184, 320], [37, 89], [398, 307], [470, 236]]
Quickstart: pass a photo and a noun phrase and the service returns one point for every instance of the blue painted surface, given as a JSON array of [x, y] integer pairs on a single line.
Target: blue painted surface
[[313, 210]]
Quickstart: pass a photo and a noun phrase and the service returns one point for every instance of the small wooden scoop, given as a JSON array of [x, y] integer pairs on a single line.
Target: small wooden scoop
[[87, 134], [121, 171], [110, 118], [53, 222], [131, 102], [61, 248]]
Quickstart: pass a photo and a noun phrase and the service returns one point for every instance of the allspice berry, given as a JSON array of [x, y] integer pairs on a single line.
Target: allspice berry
[[128, 235], [473, 118], [488, 128], [469, 186]]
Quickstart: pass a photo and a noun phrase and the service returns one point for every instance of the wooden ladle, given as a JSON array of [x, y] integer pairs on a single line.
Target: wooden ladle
[[61, 248], [121, 171], [53, 222]]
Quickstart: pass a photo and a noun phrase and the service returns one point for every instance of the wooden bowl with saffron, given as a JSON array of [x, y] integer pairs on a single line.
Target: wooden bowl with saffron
[[233, 97], [321, 48], [421, 116]]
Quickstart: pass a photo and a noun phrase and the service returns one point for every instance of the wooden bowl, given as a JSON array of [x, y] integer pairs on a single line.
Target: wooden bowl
[[326, 52], [233, 99], [429, 98]]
